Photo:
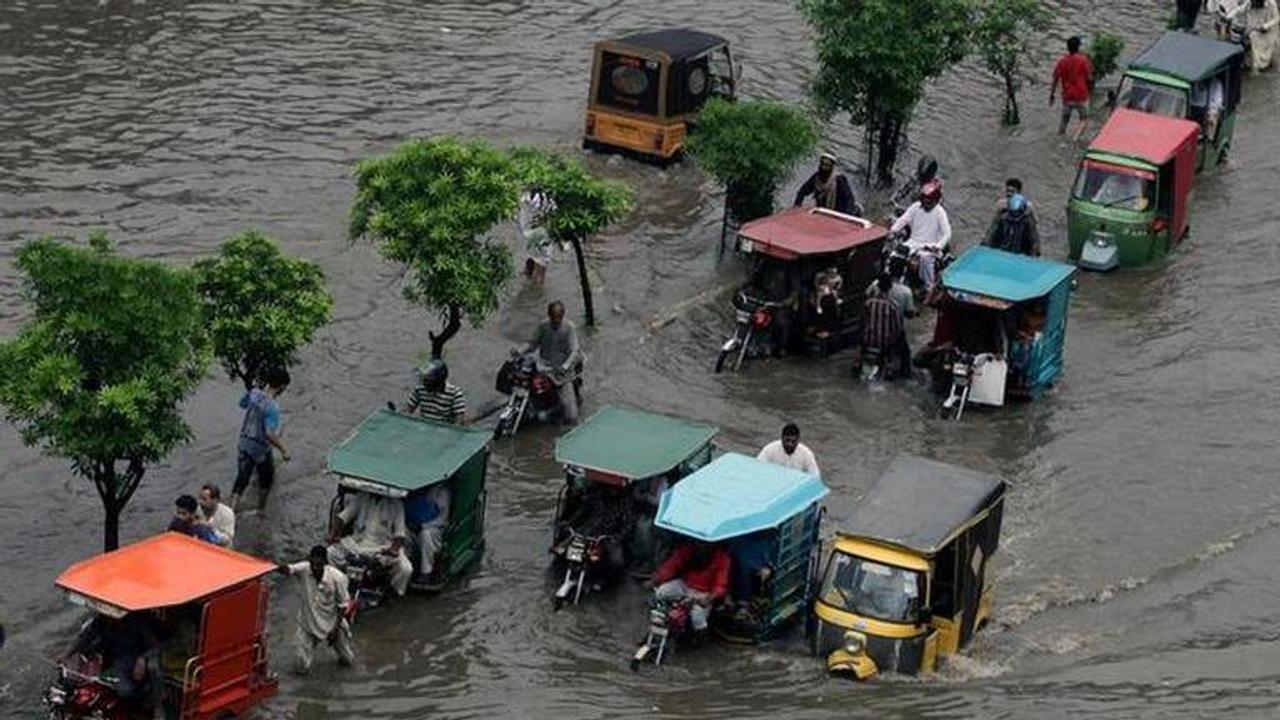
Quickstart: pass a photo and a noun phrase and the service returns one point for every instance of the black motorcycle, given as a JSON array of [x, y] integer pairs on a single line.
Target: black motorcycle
[[530, 390], [755, 333], [582, 555]]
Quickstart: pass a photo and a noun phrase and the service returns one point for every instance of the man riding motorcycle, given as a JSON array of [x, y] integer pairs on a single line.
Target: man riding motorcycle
[[930, 231], [556, 341], [926, 170]]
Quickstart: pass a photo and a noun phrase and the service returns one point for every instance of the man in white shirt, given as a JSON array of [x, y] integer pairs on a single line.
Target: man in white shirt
[[930, 230], [215, 514], [321, 613], [377, 531], [789, 452]]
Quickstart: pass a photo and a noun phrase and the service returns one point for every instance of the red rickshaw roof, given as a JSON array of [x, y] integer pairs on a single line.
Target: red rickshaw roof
[[1154, 138], [162, 571], [809, 231]]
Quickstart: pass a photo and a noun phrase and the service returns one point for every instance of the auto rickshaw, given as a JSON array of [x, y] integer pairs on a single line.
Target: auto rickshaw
[[1128, 206], [646, 89], [911, 581], [617, 464], [1001, 328], [767, 518], [406, 458], [810, 271], [1186, 76], [203, 608]]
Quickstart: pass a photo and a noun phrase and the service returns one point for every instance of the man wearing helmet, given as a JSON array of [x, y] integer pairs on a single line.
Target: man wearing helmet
[[435, 397], [1014, 228], [829, 188], [930, 230]]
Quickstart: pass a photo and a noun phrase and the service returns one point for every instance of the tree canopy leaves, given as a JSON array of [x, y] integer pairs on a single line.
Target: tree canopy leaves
[[428, 204], [260, 306], [749, 146], [584, 204], [1003, 36]]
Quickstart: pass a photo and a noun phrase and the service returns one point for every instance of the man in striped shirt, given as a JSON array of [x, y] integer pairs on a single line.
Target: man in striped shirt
[[884, 330], [436, 398]]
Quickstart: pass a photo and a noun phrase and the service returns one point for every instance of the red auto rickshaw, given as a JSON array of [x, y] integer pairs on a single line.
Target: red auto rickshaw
[[207, 606]]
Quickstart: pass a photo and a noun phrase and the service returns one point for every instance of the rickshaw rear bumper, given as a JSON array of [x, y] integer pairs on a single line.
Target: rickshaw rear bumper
[[858, 667]]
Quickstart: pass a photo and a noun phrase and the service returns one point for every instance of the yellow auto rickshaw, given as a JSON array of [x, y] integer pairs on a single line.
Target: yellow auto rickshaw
[[647, 87], [912, 580]]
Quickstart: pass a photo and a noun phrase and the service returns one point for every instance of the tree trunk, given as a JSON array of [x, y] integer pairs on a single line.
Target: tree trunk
[[111, 525], [453, 322], [890, 134], [588, 305], [1011, 114]]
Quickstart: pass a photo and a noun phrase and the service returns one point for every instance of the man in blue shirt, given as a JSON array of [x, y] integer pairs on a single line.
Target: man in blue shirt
[[186, 521], [259, 432]]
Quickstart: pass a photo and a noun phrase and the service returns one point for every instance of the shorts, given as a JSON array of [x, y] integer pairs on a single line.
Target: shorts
[[1081, 109], [247, 466]]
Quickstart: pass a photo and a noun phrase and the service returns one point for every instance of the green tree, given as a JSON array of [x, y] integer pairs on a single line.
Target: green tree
[[584, 205], [1104, 54], [750, 146], [260, 306], [874, 58], [1003, 36], [428, 205], [100, 371]]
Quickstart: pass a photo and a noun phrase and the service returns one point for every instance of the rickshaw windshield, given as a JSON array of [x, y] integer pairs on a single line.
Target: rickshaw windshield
[[870, 589], [1148, 97], [628, 83], [1115, 186]]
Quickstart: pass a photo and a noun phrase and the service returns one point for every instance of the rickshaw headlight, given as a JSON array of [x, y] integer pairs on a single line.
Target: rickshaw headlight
[[854, 642], [746, 246]]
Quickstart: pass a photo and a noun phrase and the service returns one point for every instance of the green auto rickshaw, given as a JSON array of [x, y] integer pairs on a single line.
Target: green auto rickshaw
[[1188, 76], [404, 459], [1129, 204]]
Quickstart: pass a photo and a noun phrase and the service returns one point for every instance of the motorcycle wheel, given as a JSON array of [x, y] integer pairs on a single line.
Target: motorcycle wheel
[[721, 360]]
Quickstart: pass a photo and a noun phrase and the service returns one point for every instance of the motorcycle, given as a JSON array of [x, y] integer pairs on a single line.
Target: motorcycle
[[902, 260], [667, 621], [530, 387], [582, 555], [961, 383], [754, 332]]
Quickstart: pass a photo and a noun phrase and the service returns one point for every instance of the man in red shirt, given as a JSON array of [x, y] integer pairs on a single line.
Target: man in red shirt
[[697, 571], [1075, 73]]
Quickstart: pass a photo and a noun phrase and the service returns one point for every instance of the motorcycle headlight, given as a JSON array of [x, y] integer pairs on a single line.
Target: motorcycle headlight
[[854, 642]]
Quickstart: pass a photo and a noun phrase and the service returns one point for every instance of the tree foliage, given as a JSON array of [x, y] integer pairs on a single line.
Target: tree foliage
[[1003, 35], [1104, 53], [749, 146], [874, 58], [428, 204], [100, 371], [584, 204], [260, 306]]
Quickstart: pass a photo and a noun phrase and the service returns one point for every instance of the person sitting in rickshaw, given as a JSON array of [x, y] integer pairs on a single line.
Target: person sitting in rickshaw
[[827, 302], [829, 188], [608, 511], [133, 645], [426, 515], [698, 572], [377, 534], [1030, 328], [750, 572]]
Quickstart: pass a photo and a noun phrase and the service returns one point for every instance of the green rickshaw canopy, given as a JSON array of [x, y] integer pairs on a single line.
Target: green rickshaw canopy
[[403, 453], [631, 443], [1187, 57]]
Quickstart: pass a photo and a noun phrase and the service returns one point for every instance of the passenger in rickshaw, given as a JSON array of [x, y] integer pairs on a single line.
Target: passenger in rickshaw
[[608, 511], [426, 516], [1029, 329], [750, 572], [698, 572], [133, 647], [377, 534], [827, 302], [829, 188], [1208, 99], [773, 283]]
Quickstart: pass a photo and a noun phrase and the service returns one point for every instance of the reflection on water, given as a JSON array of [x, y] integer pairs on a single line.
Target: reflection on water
[[1135, 577]]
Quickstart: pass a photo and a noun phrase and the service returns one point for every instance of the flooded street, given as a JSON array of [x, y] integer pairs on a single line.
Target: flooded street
[[1137, 577]]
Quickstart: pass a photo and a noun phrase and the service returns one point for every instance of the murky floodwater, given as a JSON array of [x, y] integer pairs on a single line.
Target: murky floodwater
[[1138, 575]]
